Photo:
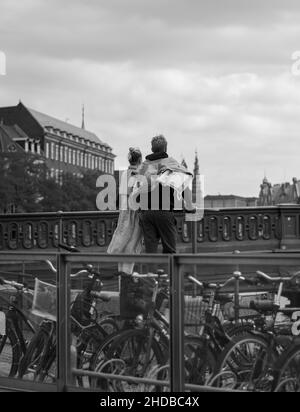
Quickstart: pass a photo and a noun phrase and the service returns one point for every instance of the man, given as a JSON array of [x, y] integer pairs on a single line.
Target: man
[[157, 218]]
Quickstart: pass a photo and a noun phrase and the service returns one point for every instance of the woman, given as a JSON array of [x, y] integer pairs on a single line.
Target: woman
[[128, 236]]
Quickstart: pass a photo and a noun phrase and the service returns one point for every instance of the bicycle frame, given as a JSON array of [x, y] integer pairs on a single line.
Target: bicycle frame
[[15, 316]]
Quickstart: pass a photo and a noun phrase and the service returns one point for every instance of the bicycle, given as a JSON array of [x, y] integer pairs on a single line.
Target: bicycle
[[13, 342], [287, 370], [141, 348], [251, 357], [40, 357], [144, 350]]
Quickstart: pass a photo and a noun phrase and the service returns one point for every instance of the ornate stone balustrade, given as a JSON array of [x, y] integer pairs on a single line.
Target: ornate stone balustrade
[[220, 230]]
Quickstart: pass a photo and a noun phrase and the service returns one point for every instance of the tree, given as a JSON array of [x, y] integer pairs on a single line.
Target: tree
[[20, 181], [26, 183]]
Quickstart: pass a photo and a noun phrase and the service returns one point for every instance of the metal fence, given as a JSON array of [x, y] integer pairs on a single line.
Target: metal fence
[[210, 267]]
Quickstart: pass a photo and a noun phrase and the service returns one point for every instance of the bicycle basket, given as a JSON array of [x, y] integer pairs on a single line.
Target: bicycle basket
[[194, 314], [44, 300], [136, 297]]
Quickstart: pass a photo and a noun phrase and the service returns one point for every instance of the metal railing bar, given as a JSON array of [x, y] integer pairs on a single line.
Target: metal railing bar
[[251, 260], [177, 328], [100, 257], [196, 388], [132, 379], [26, 386]]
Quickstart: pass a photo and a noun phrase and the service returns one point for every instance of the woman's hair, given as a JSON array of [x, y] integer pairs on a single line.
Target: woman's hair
[[134, 156]]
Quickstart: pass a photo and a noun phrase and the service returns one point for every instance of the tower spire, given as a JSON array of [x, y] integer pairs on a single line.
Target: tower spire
[[196, 165], [83, 117]]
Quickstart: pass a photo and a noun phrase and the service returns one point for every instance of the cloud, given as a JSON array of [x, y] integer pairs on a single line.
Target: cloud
[[210, 77]]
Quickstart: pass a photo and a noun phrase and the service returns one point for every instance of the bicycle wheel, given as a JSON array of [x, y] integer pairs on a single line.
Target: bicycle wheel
[[98, 359], [31, 362], [134, 354], [47, 371], [287, 371], [237, 330], [244, 364], [89, 343], [200, 362], [10, 354]]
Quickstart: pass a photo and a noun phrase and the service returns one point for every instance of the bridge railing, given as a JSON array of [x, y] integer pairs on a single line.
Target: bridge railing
[[225, 229], [209, 267]]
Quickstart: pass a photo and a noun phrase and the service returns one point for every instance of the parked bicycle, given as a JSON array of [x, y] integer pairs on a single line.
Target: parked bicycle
[[248, 361], [13, 324], [39, 361]]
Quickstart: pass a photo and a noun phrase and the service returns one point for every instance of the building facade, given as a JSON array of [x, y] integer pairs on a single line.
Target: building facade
[[283, 193], [65, 148], [229, 201]]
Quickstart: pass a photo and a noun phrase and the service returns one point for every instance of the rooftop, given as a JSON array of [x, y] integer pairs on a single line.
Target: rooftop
[[47, 121]]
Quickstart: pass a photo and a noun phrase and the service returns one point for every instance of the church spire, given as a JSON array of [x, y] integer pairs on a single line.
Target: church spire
[[83, 117], [196, 176], [196, 165]]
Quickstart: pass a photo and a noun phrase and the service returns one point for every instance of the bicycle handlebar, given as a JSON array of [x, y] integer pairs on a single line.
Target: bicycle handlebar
[[136, 275], [270, 279], [237, 276], [15, 285], [88, 271]]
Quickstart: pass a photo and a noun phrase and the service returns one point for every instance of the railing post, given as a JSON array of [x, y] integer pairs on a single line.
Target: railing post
[[177, 327], [63, 335], [60, 228], [195, 237]]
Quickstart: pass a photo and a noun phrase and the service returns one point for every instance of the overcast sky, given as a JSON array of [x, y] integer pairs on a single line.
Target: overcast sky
[[213, 75]]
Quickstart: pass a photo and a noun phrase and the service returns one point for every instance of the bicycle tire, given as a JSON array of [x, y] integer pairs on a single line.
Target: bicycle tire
[[10, 354], [33, 354], [104, 328], [236, 360], [99, 357], [200, 361], [238, 330], [287, 368], [139, 340]]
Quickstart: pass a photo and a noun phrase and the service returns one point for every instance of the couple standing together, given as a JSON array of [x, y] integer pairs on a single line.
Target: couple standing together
[[165, 185]]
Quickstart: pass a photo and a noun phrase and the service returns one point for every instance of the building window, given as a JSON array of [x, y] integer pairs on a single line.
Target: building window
[[74, 157], [61, 154], [56, 152], [70, 156], [66, 155], [47, 150]]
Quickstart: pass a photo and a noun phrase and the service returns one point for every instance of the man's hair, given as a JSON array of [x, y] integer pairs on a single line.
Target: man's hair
[[159, 144]]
